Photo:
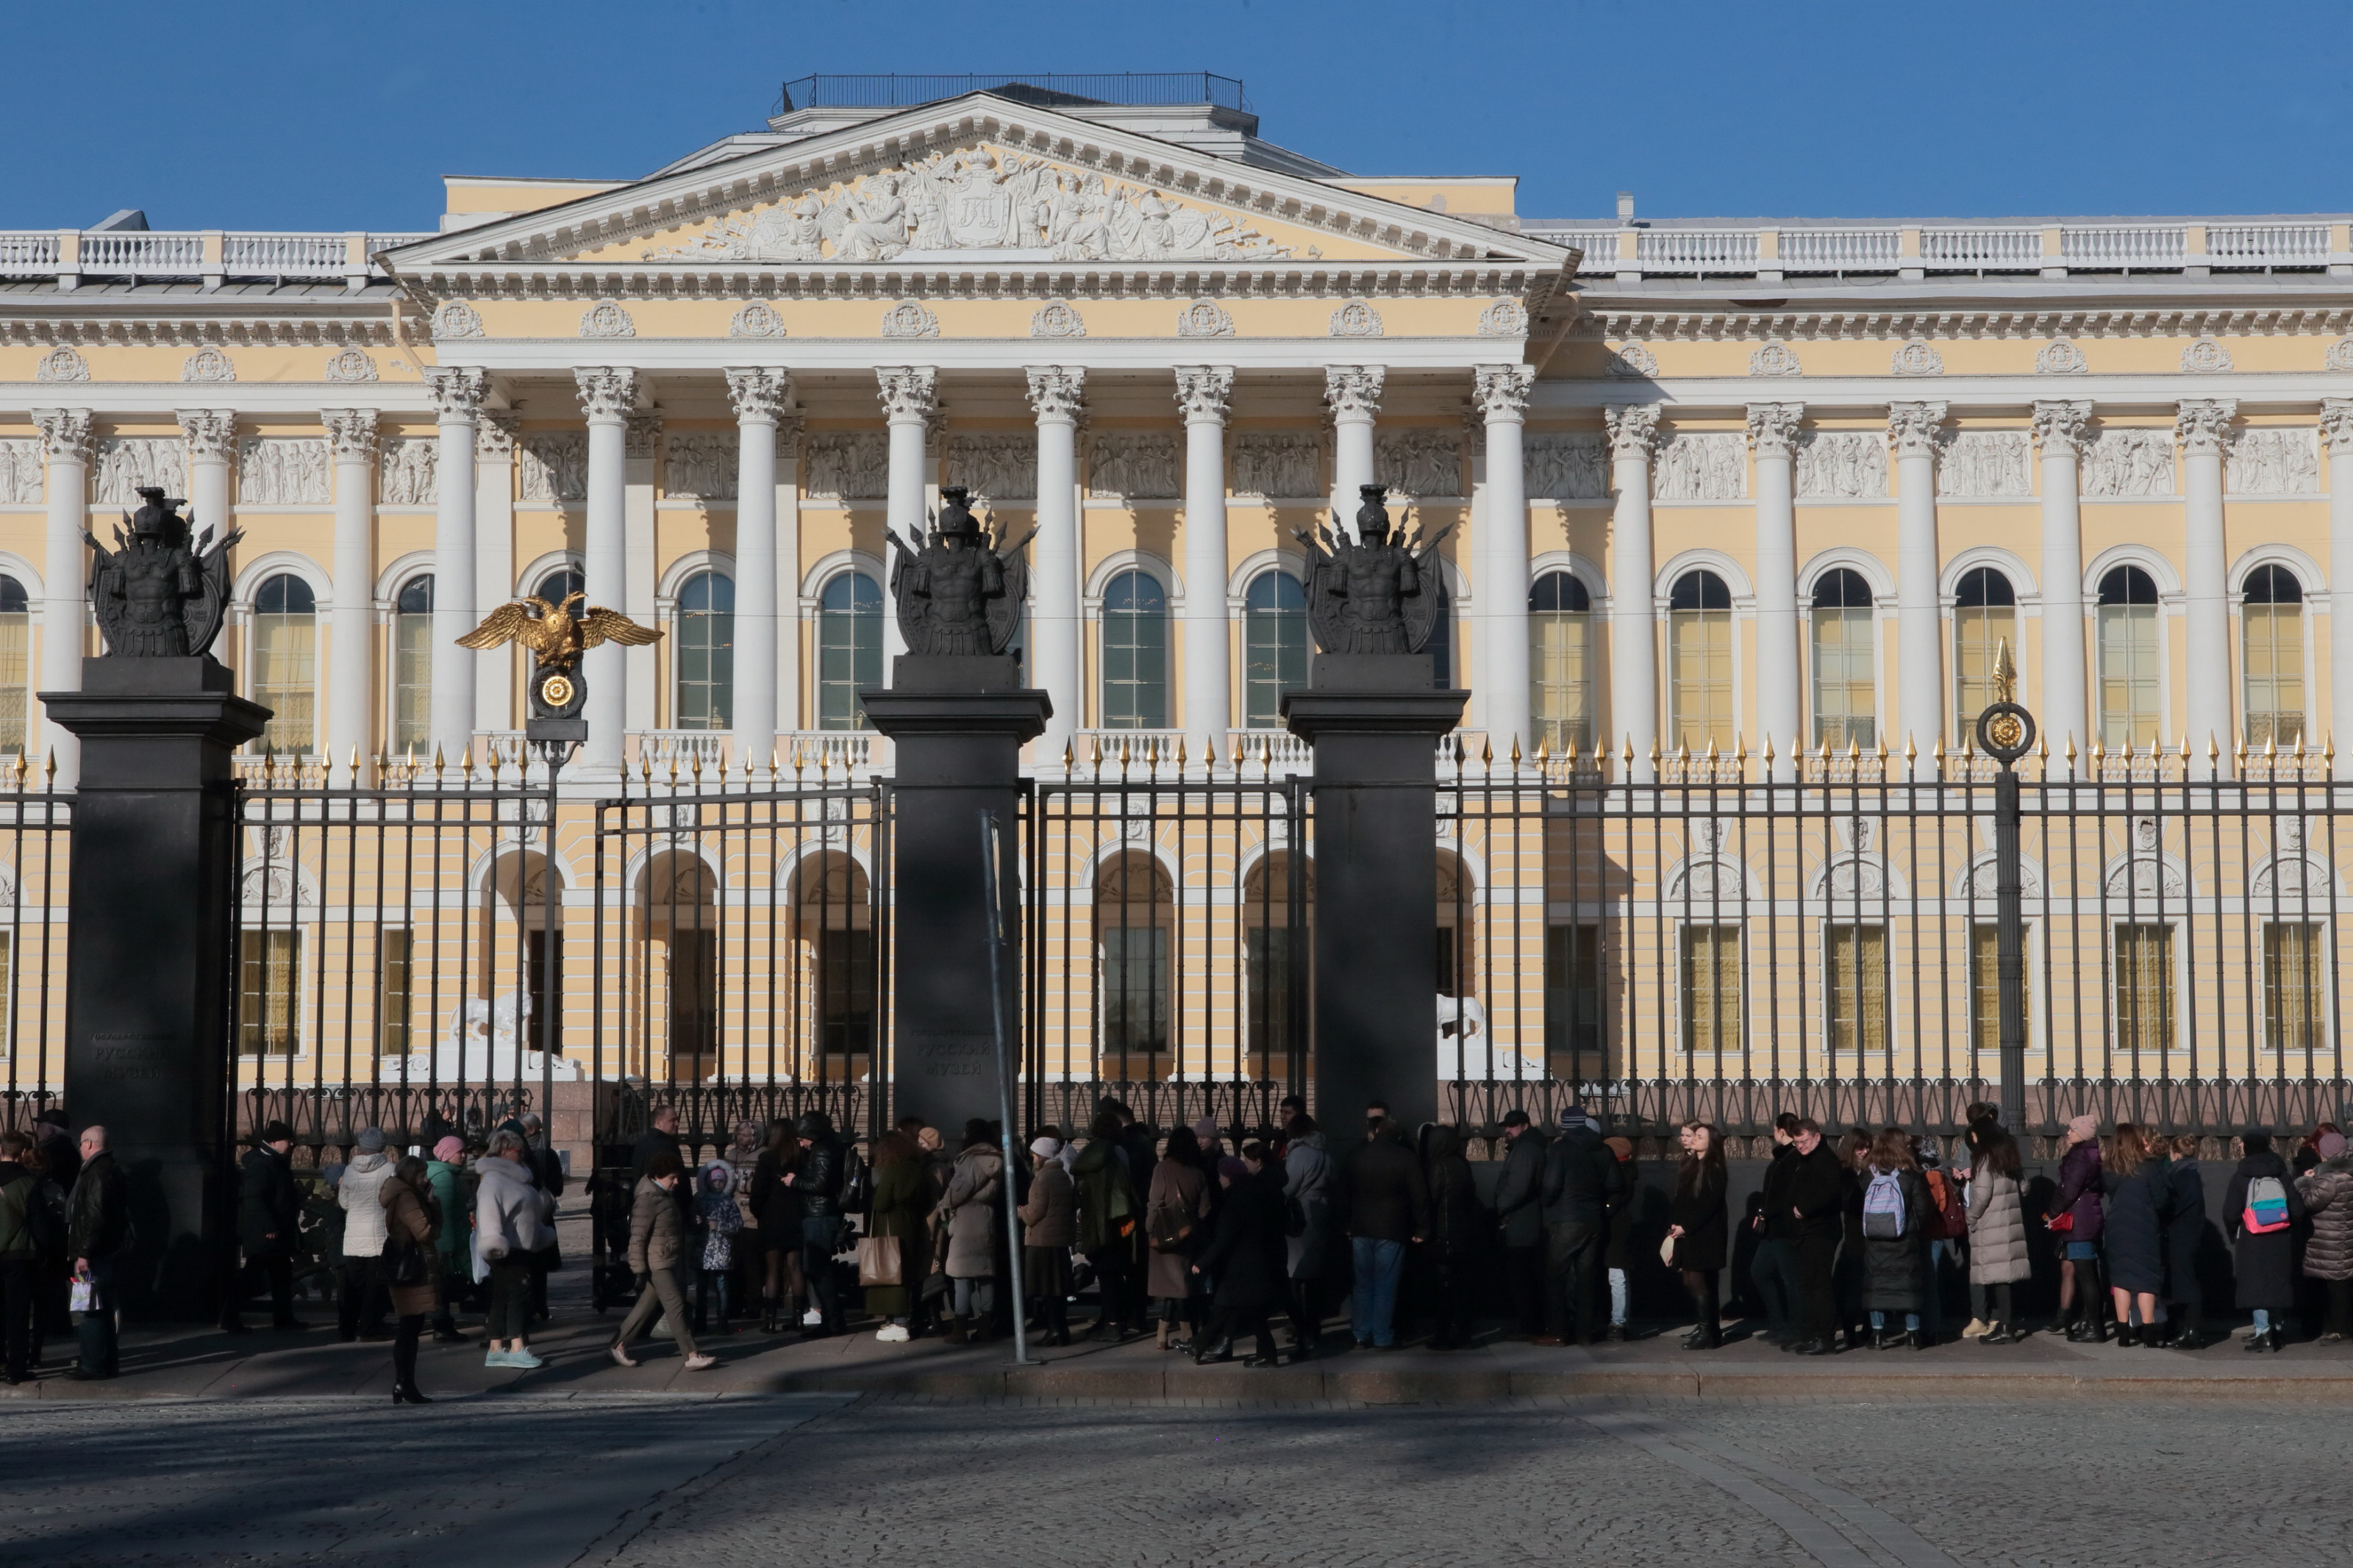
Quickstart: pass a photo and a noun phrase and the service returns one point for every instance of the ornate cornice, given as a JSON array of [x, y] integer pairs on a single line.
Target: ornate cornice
[[65, 434], [211, 433], [1773, 427], [1500, 392], [1057, 391], [2059, 427], [43, 328], [1353, 391], [456, 391], [2202, 424], [607, 393], [1633, 431], [760, 395], [907, 391], [1599, 319], [2336, 424], [1202, 391], [353, 431], [1912, 428]]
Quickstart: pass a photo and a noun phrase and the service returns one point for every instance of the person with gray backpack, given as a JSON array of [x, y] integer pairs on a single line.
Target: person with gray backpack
[[1896, 1212]]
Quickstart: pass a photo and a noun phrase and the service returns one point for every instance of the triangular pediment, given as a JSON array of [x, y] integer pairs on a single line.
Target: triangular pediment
[[977, 179]]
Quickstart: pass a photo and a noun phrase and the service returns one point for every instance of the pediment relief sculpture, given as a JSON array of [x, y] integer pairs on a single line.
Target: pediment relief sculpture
[[977, 198]]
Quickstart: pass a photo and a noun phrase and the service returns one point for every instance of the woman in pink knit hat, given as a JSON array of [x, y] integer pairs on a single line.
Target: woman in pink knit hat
[[453, 1244]]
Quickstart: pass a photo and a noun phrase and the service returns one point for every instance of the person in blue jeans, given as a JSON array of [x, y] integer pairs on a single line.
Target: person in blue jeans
[[1387, 1205]]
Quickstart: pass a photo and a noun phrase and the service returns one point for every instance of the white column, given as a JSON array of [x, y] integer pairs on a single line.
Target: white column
[[1499, 559], [1056, 642], [2201, 425], [759, 395], [1780, 670], [351, 689], [65, 448], [212, 451], [2336, 427], [457, 399], [1354, 393], [1919, 621], [639, 575], [909, 394], [1634, 651], [787, 502], [608, 393], [2065, 712], [1201, 393], [494, 560]]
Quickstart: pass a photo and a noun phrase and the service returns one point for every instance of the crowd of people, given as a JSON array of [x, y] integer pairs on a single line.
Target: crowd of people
[[65, 1221]]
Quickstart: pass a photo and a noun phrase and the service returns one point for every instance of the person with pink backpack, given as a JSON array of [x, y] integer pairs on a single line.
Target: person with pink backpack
[[2260, 1210]]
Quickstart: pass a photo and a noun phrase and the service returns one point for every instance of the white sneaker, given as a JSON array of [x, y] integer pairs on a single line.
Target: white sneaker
[[523, 1359], [893, 1333], [812, 1319], [1976, 1330], [621, 1356], [701, 1362]]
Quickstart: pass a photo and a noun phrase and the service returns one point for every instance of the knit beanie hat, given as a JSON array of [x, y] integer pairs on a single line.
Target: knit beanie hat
[[371, 1140], [2083, 1129], [1235, 1170], [1046, 1148], [448, 1149], [2332, 1145]]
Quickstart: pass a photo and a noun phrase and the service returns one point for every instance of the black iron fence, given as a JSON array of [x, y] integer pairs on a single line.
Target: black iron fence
[[36, 823]]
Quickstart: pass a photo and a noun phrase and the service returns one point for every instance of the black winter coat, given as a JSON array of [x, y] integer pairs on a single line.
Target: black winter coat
[[1818, 1191], [1387, 1198], [1697, 1205], [2135, 1229], [1246, 1255], [819, 1180], [1519, 1196], [269, 1206], [2185, 1225], [1618, 1253], [1894, 1268], [1458, 1227], [1774, 1191], [2265, 1263], [98, 1215], [1582, 1178]]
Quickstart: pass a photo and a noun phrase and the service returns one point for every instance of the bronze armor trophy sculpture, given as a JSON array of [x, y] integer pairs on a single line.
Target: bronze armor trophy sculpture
[[961, 592], [1375, 593], [159, 594]]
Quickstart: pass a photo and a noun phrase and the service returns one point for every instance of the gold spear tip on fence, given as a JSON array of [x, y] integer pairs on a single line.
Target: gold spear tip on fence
[[438, 764], [1822, 748], [2329, 751], [1938, 753], [2269, 750], [1541, 753], [1629, 748], [694, 765], [1208, 751], [2299, 746], [1911, 752], [1486, 751], [466, 762], [1123, 752], [1068, 756], [1516, 750], [354, 764], [1098, 753], [1654, 752], [1265, 752], [49, 767], [1180, 753], [2005, 673], [2071, 748], [2099, 751]]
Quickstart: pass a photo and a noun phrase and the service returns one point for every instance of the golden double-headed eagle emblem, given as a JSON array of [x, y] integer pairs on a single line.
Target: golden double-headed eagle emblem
[[556, 636]]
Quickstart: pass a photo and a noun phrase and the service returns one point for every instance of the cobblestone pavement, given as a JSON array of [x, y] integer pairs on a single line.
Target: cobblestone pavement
[[619, 1482]]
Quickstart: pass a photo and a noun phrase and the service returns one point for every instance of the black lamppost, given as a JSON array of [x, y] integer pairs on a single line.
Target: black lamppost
[[2005, 733]]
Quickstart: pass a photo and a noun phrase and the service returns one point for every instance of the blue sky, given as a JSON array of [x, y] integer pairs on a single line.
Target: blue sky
[[337, 116]]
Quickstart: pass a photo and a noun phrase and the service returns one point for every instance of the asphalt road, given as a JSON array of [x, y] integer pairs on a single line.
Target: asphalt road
[[660, 1481]]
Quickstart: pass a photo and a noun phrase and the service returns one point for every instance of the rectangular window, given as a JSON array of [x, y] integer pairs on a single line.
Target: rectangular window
[[2274, 642], [1135, 981], [1573, 1046], [15, 636], [2295, 995], [1269, 1023], [1457, 975], [2144, 991], [1854, 991], [2128, 675], [1560, 674], [1711, 980], [412, 684], [1978, 630], [694, 1004], [543, 995], [1843, 694], [393, 1002], [268, 971], [285, 679], [1701, 655], [1985, 991], [844, 994]]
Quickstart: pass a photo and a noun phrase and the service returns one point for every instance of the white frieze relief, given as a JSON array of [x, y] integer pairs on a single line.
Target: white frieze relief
[[2129, 463], [61, 364], [1055, 319], [978, 199], [1842, 465], [410, 465], [1355, 319], [208, 364], [846, 466], [1278, 463], [1979, 465], [1918, 357], [1503, 318], [2060, 357], [1567, 464], [909, 319], [127, 462], [756, 321], [281, 470], [21, 473], [606, 319], [1204, 319], [1137, 466], [351, 365], [2206, 356], [1420, 463], [1775, 358], [457, 319], [702, 465], [2273, 462], [1631, 360], [555, 468], [995, 467], [1704, 464], [2340, 355]]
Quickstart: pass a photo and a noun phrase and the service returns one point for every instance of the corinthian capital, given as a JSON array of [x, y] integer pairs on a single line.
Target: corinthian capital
[[2336, 423], [1500, 392], [908, 392], [211, 433], [1912, 428], [2203, 423], [1633, 431], [607, 393], [353, 432], [642, 434], [1773, 427], [1057, 391], [1202, 389], [65, 434], [494, 437], [759, 395], [2059, 428], [1353, 391], [456, 391]]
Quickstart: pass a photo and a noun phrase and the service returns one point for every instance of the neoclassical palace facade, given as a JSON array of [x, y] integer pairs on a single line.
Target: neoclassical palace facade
[[1707, 486]]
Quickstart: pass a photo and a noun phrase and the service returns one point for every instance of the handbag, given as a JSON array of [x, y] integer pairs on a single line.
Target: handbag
[[404, 1261], [1167, 1229], [879, 1261], [84, 1296], [1667, 1252], [2062, 1223]]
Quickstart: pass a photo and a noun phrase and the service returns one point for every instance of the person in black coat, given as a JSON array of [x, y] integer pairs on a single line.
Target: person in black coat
[[1582, 1179], [97, 1221], [1773, 1267], [1697, 1225], [2264, 1262], [2185, 1232], [1894, 1258], [1817, 1196], [269, 1224], [2133, 1174], [1246, 1259], [1519, 1199], [1388, 1208], [1457, 1236]]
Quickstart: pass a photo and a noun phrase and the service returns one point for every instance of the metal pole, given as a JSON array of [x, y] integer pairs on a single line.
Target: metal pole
[[550, 991], [2009, 959], [991, 847]]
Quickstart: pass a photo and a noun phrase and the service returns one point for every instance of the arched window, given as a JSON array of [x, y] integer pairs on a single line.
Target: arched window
[[1985, 616], [412, 666], [2130, 658], [1275, 647], [1560, 661], [1699, 657], [704, 631], [286, 662], [848, 649], [1846, 712], [560, 584], [2272, 617], [1134, 653], [15, 639]]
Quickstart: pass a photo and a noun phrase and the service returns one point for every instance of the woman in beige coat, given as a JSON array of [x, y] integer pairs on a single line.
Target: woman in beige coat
[[411, 1222], [967, 1217], [1998, 1256]]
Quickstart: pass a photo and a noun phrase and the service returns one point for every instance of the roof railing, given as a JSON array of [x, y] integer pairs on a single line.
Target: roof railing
[[207, 257], [1047, 88]]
